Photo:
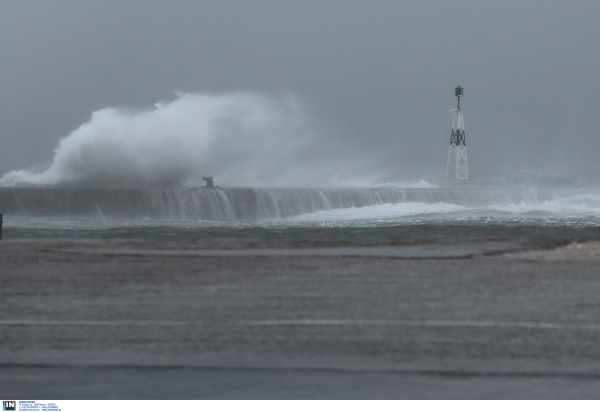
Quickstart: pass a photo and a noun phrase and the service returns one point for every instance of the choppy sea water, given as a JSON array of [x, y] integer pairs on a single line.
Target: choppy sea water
[[569, 215]]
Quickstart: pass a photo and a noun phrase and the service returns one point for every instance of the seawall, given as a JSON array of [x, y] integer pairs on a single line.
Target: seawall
[[240, 203]]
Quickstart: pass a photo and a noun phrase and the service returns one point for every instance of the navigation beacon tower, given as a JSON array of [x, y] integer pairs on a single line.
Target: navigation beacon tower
[[457, 154]]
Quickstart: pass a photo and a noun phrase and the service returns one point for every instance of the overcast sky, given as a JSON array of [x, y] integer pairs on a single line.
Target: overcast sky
[[375, 77]]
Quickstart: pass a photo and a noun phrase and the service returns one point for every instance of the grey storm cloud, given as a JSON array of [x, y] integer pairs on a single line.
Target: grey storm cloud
[[371, 84]]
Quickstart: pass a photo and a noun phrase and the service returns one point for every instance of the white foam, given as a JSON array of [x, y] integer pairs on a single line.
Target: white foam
[[417, 184], [582, 204], [385, 211]]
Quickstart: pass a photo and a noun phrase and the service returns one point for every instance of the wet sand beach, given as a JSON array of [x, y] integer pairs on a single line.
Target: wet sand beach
[[227, 318]]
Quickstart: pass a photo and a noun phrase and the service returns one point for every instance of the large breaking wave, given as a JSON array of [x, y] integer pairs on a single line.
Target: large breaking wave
[[242, 139]]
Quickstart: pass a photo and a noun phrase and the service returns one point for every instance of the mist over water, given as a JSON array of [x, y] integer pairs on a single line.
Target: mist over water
[[261, 142], [241, 139]]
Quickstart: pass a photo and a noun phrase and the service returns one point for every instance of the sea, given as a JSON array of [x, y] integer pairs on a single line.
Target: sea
[[246, 212]]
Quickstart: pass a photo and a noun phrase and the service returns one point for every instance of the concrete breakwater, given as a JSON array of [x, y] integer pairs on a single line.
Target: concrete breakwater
[[238, 203]]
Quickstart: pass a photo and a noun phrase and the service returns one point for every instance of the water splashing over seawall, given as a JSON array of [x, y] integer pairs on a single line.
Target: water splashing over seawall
[[239, 204]]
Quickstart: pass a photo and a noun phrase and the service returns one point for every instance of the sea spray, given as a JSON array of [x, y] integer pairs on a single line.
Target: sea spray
[[241, 139]]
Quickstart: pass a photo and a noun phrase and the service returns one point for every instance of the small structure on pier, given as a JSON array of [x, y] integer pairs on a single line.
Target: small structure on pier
[[209, 183]]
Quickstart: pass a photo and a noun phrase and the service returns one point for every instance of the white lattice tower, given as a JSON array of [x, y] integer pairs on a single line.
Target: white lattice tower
[[457, 154]]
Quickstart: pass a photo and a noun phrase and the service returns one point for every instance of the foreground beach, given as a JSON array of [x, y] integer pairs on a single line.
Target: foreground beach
[[300, 318]]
